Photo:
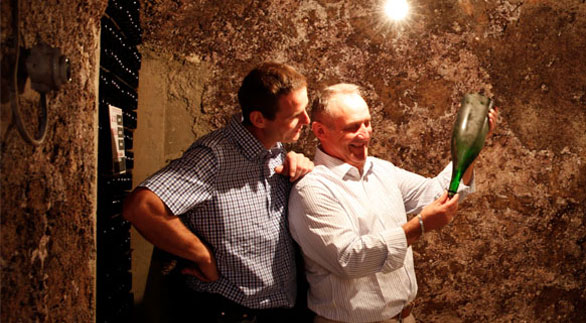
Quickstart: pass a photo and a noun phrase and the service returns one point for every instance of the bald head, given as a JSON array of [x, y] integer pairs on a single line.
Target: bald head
[[324, 107]]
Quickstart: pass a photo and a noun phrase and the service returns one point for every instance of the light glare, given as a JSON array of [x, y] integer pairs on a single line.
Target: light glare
[[396, 9]]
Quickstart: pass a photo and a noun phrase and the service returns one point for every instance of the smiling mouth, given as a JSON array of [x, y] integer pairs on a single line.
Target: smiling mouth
[[359, 149]]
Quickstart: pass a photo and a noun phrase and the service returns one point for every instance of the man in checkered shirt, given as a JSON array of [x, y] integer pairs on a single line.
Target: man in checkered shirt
[[221, 207]]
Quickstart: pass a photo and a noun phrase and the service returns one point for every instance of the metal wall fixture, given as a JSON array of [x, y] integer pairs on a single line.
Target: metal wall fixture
[[48, 70]]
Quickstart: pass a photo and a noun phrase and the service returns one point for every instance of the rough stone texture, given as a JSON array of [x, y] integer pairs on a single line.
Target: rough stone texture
[[48, 193], [169, 120], [515, 253], [517, 250]]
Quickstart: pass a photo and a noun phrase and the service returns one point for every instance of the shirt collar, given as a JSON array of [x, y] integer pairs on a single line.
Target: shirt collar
[[249, 145], [339, 167]]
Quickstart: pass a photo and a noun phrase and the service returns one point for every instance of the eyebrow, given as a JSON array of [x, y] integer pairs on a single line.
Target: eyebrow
[[356, 123]]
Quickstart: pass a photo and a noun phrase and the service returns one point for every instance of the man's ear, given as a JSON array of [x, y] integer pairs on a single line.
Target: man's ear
[[257, 119], [318, 129]]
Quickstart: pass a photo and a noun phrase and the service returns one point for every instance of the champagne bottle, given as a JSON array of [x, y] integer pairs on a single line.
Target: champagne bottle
[[468, 136]]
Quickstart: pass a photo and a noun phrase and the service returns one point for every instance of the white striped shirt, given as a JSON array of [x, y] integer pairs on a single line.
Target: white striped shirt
[[348, 225]]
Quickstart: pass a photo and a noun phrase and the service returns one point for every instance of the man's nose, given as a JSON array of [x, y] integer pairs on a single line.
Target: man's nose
[[364, 132], [305, 119]]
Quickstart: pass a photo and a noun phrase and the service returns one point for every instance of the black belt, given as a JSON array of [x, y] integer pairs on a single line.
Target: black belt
[[216, 308]]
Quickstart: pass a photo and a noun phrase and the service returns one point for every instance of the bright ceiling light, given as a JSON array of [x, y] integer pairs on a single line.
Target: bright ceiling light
[[396, 9]]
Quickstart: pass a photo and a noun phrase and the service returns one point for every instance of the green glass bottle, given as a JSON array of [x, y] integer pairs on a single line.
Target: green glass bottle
[[468, 136]]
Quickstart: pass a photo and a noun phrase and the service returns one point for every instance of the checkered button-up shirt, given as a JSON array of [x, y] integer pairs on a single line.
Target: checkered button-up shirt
[[225, 191]]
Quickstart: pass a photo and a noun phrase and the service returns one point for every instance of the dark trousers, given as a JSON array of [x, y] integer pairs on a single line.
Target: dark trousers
[[187, 306]]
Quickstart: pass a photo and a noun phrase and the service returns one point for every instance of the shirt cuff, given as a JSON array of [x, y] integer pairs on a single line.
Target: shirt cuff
[[464, 189], [396, 242]]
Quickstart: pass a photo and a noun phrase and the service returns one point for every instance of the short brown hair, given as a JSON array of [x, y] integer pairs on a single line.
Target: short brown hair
[[262, 87]]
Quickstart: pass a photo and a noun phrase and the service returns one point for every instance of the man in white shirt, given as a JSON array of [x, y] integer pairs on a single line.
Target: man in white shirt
[[350, 217]]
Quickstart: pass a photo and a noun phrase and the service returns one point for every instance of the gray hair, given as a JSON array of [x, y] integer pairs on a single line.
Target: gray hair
[[323, 98]]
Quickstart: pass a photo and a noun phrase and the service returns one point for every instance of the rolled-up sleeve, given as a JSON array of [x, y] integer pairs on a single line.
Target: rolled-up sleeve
[[419, 191]]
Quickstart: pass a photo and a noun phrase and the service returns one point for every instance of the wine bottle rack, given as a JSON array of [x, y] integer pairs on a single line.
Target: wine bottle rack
[[120, 63]]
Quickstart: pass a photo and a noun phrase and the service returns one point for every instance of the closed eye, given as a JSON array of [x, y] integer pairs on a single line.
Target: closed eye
[[353, 127]]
